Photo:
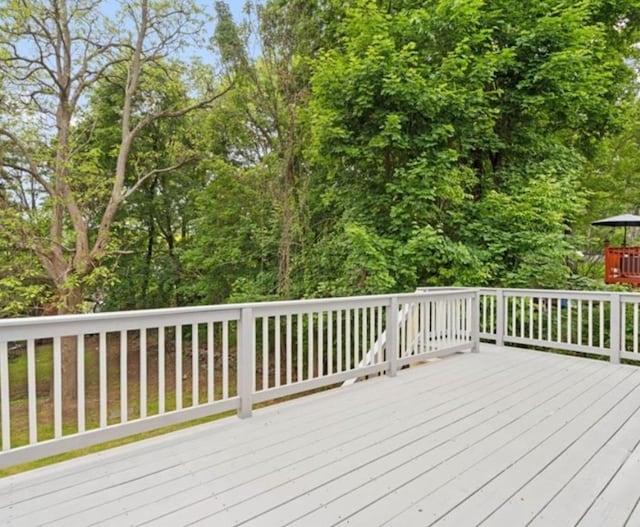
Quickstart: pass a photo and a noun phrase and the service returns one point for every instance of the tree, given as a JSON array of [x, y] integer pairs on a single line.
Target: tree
[[52, 55], [433, 123]]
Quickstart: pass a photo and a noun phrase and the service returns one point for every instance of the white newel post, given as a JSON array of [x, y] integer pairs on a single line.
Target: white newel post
[[615, 326], [245, 365], [500, 328], [475, 322], [392, 336]]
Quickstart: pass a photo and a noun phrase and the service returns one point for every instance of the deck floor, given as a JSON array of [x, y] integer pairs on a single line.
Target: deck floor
[[504, 437]]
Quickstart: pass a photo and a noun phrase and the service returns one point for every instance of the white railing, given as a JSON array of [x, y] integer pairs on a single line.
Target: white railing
[[592, 322], [68, 382]]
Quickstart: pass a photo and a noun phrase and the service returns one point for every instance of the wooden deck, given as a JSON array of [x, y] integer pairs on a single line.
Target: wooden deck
[[504, 437]]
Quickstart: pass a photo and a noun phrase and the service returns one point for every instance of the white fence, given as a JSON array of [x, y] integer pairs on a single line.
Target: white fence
[[73, 381], [592, 322]]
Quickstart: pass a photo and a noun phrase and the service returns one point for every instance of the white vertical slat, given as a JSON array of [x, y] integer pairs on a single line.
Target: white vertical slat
[[178, 339], [225, 359], [601, 323], [124, 400], [57, 387], [549, 318], [579, 322], [143, 373], [102, 358], [522, 316], [559, 321], [347, 336], [492, 311], [356, 337], [569, 320], [80, 388], [320, 343], [339, 339], [635, 328], [590, 323], [513, 315], [309, 345], [372, 332], [364, 346], [485, 299], [623, 324], [330, 342], [195, 370], [289, 348], [421, 326], [32, 392], [265, 353], [379, 334], [299, 343], [427, 326], [210, 363], [277, 351], [530, 317], [161, 370], [5, 406]]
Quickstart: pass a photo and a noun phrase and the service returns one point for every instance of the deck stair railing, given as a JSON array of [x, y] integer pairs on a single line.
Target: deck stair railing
[[67, 382], [425, 327]]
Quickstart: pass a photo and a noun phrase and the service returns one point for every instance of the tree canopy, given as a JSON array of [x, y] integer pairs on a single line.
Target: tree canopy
[[170, 155]]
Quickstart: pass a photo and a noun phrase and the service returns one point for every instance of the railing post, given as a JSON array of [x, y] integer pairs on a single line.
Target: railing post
[[500, 299], [245, 368], [615, 324], [475, 322], [392, 336]]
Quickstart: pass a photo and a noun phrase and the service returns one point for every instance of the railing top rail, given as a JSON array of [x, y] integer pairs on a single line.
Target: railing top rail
[[171, 316], [567, 293]]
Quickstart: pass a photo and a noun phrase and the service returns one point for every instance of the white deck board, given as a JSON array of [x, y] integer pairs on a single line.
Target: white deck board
[[502, 437]]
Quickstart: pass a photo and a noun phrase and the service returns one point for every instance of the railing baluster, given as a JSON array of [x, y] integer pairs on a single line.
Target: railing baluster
[[590, 324], [300, 342], [580, 322], [143, 372], [540, 315], [522, 316], [102, 354], [289, 347], [549, 319], [365, 347], [57, 387], [559, 320], [330, 343], [379, 334], [372, 330], [195, 370], [530, 317], [601, 324], [277, 351], [356, 337], [635, 328], [210, 362], [347, 322], [320, 343], [124, 401], [225, 359], [309, 345], [492, 312], [161, 370], [32, 392], [265, 353], [339, 340], [178, 368], [5, 406], [569, 321]]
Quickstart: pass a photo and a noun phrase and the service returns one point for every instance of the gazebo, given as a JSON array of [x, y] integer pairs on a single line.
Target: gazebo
[[621, 264]]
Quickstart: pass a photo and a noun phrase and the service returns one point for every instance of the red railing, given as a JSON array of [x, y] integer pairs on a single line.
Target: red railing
[[622, 265]]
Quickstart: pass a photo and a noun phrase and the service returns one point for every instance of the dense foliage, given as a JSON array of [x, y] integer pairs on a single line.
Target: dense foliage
[[331, 148]]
